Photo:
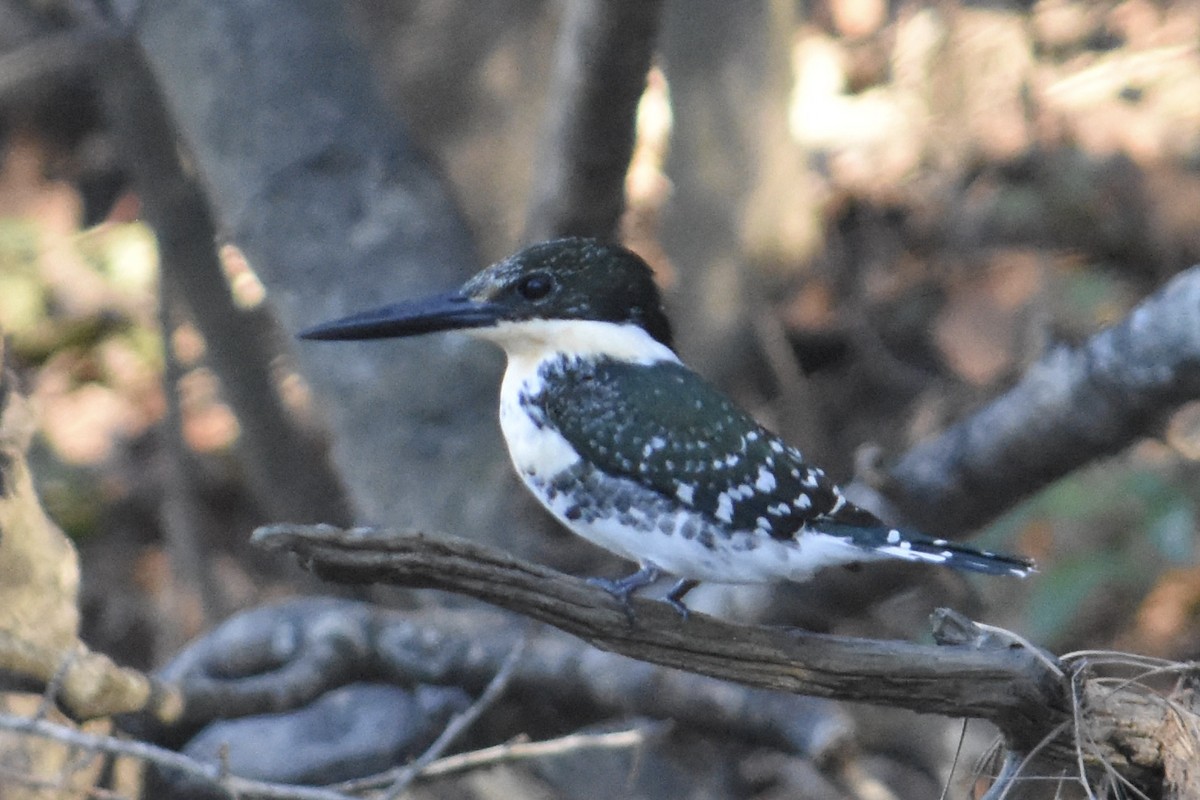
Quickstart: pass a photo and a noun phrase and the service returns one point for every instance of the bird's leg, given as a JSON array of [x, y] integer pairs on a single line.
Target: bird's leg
[[675, 596], [624, 588]]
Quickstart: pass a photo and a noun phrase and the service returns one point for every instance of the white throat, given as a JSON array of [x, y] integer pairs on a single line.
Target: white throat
[[536, 450], [537, 339]]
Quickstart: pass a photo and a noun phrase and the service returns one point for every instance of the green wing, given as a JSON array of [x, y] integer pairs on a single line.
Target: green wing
[[661, 425]]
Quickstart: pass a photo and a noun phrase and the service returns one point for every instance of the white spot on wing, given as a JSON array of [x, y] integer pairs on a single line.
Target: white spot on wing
[[906, 552], [765, 482], [724, 510], [686, 492]]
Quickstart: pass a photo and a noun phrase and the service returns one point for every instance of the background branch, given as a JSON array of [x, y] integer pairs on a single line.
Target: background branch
[[1072, 407], [208, 774], [333, 210], [604, 52], [241, 343], [277, 658]]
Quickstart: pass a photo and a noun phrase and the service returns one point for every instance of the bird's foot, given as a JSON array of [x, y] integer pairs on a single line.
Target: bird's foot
[[624, 588], [675, 597]]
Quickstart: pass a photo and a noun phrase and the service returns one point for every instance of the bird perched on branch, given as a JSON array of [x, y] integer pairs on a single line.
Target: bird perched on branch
[[629, 448]]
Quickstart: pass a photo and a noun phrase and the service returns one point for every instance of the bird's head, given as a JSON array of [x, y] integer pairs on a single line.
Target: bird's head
[[527, 297]]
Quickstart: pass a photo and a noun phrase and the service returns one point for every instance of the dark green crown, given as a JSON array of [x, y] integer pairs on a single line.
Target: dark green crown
[[566, 279], [574, 279]]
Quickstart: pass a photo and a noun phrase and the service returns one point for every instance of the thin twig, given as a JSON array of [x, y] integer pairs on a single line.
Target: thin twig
[[180, 511], [59, 788], [1028, 757], [1017, 638], [1116, 657], [962, 735], [522, 750], [1007, 776], [1139, 680], [1077, 713], [461, 722], [232, 785]]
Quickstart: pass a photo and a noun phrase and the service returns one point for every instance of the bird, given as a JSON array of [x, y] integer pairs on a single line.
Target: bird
[[630, 449]]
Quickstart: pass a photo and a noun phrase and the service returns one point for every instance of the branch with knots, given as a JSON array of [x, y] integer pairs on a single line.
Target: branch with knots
[[1044, 708]]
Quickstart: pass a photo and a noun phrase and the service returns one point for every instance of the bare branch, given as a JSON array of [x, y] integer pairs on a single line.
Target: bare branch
[[232, 785], [242, 343], [278, 658], [519, 750], [1011, 687], [973, 673], [332, 210], [1074, 406], [604, 53], [236, 787]]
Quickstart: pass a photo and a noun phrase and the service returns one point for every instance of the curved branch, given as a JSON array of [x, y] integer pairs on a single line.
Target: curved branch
[[1073, 406], [1014, 688], [976, 672], [278, 658]]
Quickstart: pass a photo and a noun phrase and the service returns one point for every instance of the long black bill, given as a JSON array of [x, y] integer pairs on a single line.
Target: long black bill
[[443, 312]]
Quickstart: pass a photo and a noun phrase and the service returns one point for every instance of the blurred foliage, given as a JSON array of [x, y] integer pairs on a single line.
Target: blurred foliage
[[1113, 527], [79, 312], [22, 293], [72, 293]]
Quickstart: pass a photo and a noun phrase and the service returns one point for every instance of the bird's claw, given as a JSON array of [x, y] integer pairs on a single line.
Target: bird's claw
[[675, 596], [624, 588]]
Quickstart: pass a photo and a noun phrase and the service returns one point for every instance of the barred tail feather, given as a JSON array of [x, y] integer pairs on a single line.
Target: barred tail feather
[[969, 559], [911, 546]]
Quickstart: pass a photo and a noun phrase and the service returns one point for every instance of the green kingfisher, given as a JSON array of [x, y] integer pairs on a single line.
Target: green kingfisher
[[629, 448]]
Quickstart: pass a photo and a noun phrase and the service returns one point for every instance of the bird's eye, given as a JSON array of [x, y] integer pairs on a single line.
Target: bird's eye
[[536, 286]]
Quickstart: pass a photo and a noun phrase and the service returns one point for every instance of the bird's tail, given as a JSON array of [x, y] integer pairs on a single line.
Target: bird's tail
[[911, 546]]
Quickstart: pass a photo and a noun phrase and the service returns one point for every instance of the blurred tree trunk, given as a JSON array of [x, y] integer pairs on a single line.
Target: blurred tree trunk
[[324, 194]]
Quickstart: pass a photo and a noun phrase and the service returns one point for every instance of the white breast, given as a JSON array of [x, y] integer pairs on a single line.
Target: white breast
[[535, 452], [532, 343]]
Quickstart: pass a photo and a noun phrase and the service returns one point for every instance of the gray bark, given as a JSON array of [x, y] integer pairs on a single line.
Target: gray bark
[[324, 193]]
